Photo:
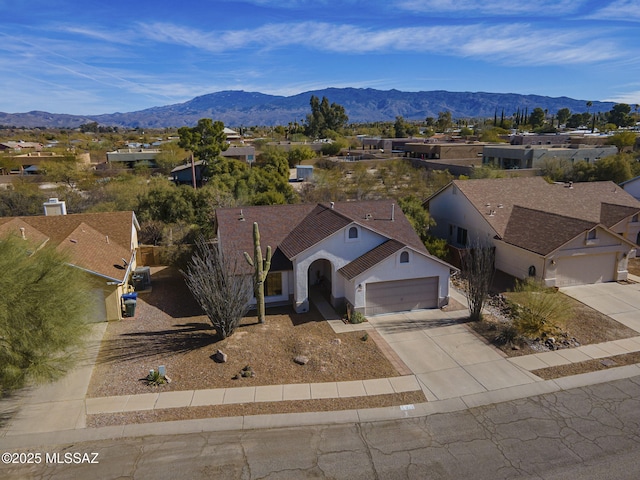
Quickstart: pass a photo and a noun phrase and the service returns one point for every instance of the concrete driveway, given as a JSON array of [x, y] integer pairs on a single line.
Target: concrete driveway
[[616, 300], [446, 356]]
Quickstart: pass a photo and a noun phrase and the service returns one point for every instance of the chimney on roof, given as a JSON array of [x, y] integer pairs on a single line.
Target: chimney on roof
[[53, 206]]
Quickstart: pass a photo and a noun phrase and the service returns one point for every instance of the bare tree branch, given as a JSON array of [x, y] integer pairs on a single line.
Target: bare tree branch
[[219, 285], [477, 270]]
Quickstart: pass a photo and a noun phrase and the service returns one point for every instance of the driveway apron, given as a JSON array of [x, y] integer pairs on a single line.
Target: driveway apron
[[447, 357], [620, 301]]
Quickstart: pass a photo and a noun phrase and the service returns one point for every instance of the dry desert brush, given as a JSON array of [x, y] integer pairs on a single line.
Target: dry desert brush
[[539, 311], [219, 285]]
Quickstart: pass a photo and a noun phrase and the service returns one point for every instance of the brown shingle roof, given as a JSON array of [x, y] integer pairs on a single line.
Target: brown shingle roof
[[581, 201], [320, 223], [235, 227], [90, 250], [370, 259], [90, 230], [612, 214], [551, 230], [18, 227], [291, 229]]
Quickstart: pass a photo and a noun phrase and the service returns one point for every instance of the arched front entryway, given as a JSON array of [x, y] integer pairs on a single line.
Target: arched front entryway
[[320, 278]]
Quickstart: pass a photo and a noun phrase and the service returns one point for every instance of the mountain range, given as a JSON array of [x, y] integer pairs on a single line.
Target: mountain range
[[237, 108]]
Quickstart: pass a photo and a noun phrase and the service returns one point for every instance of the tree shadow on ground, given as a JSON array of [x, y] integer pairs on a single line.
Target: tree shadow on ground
[[187, 337], [407, 325], [171, 295]]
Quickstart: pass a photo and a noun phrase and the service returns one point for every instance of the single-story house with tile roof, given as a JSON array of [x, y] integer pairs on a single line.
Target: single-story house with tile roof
[[101, 244], [563, 234], [365, 254]]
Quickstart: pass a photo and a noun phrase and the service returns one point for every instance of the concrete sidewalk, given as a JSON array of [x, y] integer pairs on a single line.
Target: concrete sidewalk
[[454, 367], [265, 393]]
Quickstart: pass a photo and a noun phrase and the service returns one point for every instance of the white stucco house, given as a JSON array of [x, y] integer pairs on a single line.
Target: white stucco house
[[632, 187], [365, 254], [562, 234]]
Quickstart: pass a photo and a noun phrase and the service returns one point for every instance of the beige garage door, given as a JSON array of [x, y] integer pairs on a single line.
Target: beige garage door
[[401, 295], [585, 269]]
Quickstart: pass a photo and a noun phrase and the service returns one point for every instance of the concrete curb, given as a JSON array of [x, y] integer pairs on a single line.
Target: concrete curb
[[291, 420]]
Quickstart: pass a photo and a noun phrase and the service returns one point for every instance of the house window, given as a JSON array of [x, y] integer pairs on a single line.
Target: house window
[[591, 235], [634, 219], [462, 236], [353, 233], [404, 257], [273, 284]]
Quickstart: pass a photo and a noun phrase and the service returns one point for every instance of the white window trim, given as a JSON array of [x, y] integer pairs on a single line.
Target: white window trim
[[346, 234], [400, 262]]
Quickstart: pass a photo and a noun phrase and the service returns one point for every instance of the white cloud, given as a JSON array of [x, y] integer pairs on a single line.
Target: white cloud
[[516, 43], [625, 10], [630, 98], [474, 8]]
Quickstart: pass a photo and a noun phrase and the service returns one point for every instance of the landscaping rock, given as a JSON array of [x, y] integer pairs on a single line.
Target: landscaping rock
[[336, 341], [301, 360], [220, 357]]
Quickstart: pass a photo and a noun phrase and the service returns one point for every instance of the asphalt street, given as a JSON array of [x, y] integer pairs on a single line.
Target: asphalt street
[[589, 433]]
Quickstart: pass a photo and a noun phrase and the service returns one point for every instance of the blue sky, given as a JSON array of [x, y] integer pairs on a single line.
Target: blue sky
[[95, 57]]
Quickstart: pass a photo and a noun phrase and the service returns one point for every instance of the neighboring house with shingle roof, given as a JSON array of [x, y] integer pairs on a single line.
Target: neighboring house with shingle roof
[[101, 244], [365, 254], [564, 234]]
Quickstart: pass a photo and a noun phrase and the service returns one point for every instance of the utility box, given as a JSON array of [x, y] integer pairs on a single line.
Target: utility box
[[142, 279]]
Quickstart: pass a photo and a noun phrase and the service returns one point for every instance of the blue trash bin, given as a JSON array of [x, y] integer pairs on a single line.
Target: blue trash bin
[[130, 300]]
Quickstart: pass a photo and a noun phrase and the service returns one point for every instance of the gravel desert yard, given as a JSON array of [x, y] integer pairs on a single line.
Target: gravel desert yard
[[169, 329]]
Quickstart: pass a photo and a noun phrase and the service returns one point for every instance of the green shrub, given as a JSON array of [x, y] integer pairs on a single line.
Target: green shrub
[[539, 311], [357, 317], [154, 379]]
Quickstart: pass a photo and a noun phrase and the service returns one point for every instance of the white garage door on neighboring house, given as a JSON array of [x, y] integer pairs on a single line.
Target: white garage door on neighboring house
[[585, 269], [401, 295], [98, 309]]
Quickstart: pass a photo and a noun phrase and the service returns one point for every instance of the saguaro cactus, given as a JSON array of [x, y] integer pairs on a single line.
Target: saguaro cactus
[[261, 266]]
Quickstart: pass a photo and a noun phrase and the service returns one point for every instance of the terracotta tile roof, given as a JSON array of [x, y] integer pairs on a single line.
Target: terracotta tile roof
[[92, 252], [551, 230], [582, 200], [291, 229], [370, 259]]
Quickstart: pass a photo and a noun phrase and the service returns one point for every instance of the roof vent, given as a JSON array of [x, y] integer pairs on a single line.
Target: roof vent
[[368, 216], [241, 217], [332, 205], [22, 230]]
